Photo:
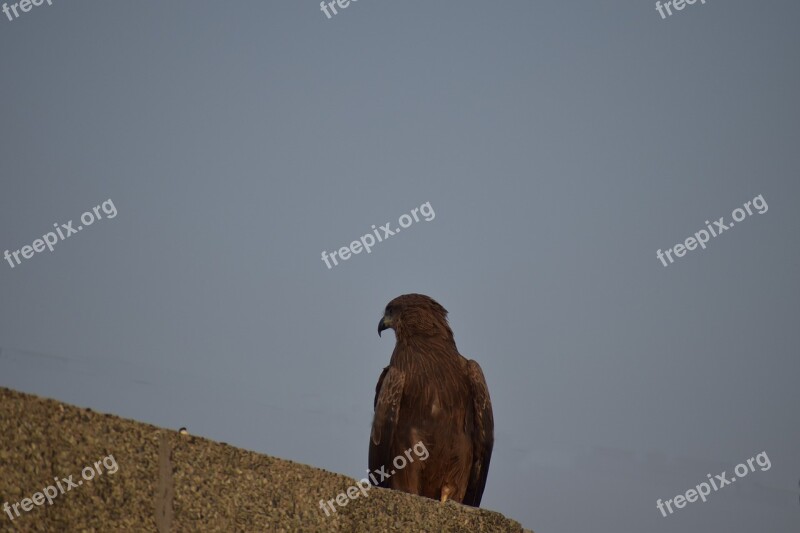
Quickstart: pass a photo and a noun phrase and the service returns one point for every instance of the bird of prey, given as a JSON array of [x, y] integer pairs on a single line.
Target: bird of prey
[[430, 393]]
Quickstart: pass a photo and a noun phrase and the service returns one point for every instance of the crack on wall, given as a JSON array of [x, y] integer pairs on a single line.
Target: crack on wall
[[165, 492]]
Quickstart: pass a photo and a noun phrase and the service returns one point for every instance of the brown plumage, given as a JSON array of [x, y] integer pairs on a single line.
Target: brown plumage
[[431, 393]]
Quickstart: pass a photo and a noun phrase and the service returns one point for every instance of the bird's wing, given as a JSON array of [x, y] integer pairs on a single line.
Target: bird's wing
[[482, 435], [388, 394], [378, 387]]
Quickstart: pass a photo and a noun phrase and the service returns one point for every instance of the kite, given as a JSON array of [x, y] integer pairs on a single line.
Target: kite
[[433, 395]]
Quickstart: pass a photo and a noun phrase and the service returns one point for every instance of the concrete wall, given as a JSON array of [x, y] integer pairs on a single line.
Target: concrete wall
[[155, 479]]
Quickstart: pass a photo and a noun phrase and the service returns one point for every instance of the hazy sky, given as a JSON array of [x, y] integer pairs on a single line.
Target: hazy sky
[[560, 145]]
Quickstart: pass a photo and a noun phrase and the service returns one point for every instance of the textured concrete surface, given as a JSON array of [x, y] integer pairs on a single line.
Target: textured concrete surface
[[171, 482]]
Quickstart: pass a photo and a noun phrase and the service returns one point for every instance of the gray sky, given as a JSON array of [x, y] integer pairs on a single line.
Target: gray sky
[[560, 144]]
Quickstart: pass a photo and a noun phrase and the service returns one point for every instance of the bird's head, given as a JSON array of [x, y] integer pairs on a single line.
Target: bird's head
[[415, 314]]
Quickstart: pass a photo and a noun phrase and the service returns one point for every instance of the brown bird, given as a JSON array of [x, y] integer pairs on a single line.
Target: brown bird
[[433, 395]]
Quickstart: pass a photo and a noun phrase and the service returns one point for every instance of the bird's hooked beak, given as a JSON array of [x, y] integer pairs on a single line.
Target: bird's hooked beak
[[385, 323]]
